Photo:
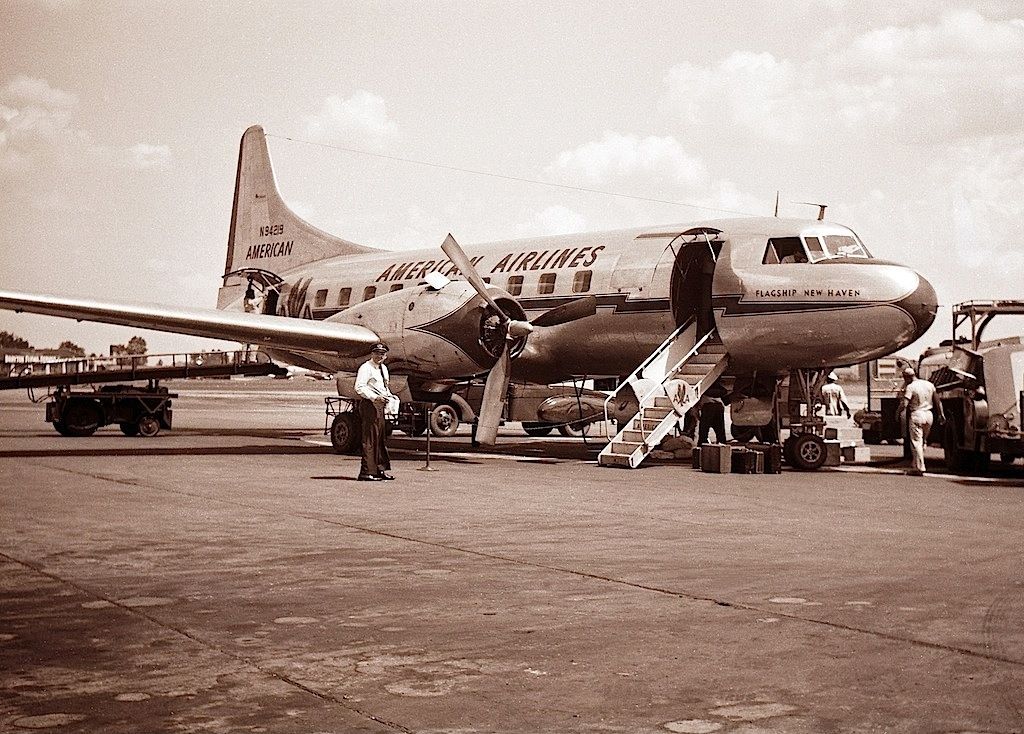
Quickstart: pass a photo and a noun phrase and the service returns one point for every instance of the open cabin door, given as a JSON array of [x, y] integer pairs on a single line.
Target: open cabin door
[[695, 255]]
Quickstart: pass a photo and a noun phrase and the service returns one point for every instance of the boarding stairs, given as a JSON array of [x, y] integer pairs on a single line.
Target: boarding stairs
[[666, 385]]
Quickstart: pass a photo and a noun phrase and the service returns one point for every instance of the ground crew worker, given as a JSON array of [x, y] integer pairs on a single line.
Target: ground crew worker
[[919, 399], [372, 385], [712, 416], [833, 396]]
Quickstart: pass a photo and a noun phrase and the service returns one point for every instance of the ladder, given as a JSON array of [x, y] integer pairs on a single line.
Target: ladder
[[686, 379]]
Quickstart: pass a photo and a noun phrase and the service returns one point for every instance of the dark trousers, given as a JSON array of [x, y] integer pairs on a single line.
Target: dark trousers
[[375, 450], [712, 416]]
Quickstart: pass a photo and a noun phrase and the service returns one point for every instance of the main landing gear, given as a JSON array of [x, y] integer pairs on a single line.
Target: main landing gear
[[805, 448]]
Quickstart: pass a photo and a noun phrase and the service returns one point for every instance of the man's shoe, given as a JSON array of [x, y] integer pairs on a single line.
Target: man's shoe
[[385, 476], [368, 478]]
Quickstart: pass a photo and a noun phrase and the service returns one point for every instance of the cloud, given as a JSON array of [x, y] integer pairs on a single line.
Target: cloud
[[361, 119], [617, 156], [28, 91], [143, 156], [552, 220], [950, 78]]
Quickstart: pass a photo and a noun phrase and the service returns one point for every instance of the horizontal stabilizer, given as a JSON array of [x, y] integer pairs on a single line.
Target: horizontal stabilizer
[[248, 328]]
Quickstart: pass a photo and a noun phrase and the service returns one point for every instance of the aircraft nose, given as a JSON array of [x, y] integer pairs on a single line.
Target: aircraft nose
[[922, 305]]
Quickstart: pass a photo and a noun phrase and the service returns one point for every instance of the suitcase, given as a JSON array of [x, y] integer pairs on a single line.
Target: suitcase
[[747, 461], [772, 458], [716, 458]]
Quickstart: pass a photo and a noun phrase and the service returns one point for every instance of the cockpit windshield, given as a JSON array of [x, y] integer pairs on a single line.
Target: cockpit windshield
[[812, 248]]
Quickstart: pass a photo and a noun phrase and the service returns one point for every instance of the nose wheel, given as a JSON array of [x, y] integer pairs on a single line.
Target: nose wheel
[[805, 451]]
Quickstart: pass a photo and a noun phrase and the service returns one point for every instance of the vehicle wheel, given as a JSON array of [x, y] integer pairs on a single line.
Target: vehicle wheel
[[444, 420], [1007, 459], [574, 430], [60, 428], [82, 417], [809, 452], [982, 462], [148, 426], [872, 436], [537, 429], [129, 429], [345, 433], [958, 460]]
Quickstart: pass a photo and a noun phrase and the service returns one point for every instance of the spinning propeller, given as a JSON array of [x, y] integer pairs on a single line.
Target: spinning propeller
[[510, 330]]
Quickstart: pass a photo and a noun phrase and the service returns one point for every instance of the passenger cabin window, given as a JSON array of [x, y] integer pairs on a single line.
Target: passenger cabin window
[[395, 287], [547, 284], [344, 297], [369, 292], [840, 245], [515, 285], [581, 281], [320, 299], [784, 250]]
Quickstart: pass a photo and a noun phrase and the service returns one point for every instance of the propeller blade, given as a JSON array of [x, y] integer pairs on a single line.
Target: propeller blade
[[578, 309], [493, 403], [465, 265]]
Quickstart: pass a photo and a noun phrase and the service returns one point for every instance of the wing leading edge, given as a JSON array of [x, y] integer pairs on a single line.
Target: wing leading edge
[[248, 328]]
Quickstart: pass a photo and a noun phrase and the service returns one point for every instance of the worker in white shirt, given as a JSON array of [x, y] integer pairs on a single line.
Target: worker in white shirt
[[372, 385], [833, 396], [919, 400]]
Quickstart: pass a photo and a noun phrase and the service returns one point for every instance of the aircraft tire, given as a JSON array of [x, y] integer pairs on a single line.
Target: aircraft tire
[[537, 429], [574, 430], [60, 428], [81, 417], [345, 433], [444, 420], [129, 429], [148, 426], [745, 434], [809, 452]]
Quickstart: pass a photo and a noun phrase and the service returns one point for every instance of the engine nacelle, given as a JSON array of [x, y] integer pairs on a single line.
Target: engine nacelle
[[451, 331]]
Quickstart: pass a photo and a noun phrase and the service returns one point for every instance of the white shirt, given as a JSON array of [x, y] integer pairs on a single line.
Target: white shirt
[[834, 397], [372, 381], [918, 395]]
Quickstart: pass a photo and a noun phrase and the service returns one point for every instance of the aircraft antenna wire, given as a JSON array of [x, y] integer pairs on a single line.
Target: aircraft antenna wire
[[519, 179]]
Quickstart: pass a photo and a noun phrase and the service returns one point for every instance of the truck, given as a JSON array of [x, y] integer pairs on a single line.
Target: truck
[[980, 385]]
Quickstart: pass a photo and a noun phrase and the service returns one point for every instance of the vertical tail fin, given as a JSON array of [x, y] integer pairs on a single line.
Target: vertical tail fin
[[265, 233]]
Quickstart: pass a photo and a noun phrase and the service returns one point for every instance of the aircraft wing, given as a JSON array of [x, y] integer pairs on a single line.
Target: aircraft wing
[[247, 328]]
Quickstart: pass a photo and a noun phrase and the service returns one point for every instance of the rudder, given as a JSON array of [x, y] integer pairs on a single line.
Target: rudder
[[265, 233]]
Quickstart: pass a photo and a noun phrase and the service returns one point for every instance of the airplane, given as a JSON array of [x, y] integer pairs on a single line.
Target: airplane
[[775, 295]]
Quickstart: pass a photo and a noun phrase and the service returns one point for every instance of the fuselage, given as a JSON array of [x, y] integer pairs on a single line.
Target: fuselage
[[782, 294]]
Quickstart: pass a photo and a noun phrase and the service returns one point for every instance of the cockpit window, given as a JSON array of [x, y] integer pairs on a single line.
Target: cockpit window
[[815, 249], [784, 250], [840, 245]]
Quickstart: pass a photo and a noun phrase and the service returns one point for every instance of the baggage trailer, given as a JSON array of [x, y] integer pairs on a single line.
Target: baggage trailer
[[138, 411]]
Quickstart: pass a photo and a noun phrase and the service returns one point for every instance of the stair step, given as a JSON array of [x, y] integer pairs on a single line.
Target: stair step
[[610, 459], [652, 412], [694, 369], [632, 436], [626, 448], [704, 358], [660, 402]]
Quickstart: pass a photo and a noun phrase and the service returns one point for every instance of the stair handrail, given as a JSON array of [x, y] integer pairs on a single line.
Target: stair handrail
[[669, 374], [650, 358]]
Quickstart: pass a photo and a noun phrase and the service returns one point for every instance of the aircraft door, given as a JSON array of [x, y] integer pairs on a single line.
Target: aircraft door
[[690, 286]]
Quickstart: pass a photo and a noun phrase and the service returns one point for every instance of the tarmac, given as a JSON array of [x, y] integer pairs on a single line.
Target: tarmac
[[232, 576]]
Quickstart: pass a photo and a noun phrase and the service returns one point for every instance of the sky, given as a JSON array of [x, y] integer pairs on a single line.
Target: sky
[[120, 124]]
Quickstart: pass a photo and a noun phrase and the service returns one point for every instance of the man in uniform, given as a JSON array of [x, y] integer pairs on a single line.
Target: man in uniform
[[374, 390], [919, 399]]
